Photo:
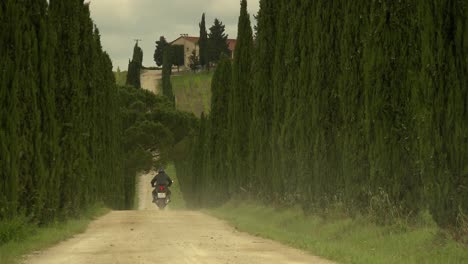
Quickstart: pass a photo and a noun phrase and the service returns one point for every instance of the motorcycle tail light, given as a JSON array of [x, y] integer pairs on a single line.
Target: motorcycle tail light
[[161, 188]]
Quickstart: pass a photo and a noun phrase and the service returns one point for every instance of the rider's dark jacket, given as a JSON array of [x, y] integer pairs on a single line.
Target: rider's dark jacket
[[161, 179]]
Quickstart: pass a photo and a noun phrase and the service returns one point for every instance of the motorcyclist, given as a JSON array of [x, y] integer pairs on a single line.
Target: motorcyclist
[[161, 179]]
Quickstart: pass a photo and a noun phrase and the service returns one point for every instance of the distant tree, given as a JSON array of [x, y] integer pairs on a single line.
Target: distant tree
[[158, 53], [134, 67], [178, 56], [203, 43], [194, 61], [217, 42]]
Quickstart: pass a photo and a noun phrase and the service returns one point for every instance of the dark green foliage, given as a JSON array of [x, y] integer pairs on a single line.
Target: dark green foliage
[[166, 74], [360, 104], [12, 25], [178, 55], [151, 127], [159, 51], [240, 104], [213, 146], [259, 157], [69, 138], [203, 43], [440, 102], [194, 61], [134, 67], [217, 42], [60, 123]]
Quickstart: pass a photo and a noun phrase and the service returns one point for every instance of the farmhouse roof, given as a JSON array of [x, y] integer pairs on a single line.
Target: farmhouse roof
[[232, 44]]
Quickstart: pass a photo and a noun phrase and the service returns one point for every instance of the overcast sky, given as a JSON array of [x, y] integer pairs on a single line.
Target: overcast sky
[[121, 21]]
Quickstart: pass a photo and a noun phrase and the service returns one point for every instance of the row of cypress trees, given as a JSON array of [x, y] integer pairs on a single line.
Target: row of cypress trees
[[361, 104], [60, 132]]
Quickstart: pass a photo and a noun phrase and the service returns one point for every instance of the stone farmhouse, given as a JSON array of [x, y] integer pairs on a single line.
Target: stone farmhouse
[[191, 43]]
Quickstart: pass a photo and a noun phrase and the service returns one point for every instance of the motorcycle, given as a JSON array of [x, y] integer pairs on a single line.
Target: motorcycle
[[161, 196]]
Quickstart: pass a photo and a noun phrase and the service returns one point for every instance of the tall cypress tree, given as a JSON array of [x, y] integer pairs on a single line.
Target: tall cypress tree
[[32, 182], [166, 75], [134, 67], [262, 95], [220, 92], [352, 141], [47, 42], [441, 106], [240, 102], [11, 22], [203, 43]]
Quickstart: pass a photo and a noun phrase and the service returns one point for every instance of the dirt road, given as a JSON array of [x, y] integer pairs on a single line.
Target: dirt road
[[176, 237], [150, 80]]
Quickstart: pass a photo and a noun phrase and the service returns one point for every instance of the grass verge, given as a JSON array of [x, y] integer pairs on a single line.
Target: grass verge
[[344, 240], [43, 237], [193, 92]]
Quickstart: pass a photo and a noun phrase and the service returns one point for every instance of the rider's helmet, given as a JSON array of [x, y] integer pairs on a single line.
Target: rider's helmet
[[161, 170]]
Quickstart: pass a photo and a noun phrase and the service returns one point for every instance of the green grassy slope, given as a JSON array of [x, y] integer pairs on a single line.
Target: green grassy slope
[[193, 92], [346, 240]]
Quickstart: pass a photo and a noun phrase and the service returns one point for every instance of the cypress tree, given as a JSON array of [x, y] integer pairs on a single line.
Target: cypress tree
[[240, 102], [11, 22], [49, 124], [352, 142], [279, 73], [288, 118], [220, 92], [134, 67], [441, 106], [159, 51], [388, 124], [166, 75], [32, 182], [262, 97], [198, 162], [203, 43]]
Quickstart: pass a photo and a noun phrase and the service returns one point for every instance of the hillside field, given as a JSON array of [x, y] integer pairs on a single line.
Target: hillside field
[[193, 92]]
